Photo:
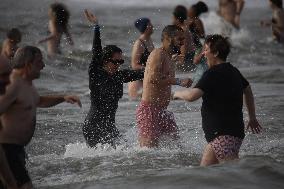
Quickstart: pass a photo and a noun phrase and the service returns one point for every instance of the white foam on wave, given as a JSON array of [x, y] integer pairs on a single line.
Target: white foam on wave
[[214, 24], [127, 145]]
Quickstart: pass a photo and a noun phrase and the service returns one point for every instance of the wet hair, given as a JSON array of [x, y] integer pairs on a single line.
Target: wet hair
[[141, 24], [277, 3], [180, 13], [25, 55], [219, 44], [170, 31], [61, 15], [15, 35], [199, 8], [109, 51]]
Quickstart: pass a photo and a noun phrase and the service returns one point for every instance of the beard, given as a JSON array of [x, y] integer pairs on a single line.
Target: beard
[[175, 49]]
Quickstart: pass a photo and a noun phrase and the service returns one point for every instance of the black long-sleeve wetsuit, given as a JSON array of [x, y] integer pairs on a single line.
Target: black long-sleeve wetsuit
[[106, 90]]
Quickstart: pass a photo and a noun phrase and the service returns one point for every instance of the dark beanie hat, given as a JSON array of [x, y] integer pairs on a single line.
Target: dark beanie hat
[[141, 24]]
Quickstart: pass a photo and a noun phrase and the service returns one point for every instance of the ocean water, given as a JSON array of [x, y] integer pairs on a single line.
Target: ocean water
[[58, 155]]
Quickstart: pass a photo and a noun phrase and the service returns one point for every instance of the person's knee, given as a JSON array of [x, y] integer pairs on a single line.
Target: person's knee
[[209, 157]]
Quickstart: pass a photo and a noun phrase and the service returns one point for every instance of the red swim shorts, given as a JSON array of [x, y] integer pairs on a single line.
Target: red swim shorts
[[154, 121], [226, 146]]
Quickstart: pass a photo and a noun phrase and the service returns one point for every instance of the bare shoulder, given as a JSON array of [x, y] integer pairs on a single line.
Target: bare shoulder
[[156, 55]]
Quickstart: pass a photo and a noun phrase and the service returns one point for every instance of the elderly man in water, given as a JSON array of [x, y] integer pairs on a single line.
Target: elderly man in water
[[18, 107]]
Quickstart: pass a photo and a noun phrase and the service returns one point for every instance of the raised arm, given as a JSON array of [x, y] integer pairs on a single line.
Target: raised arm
[[249, 101], [97, 46], [49, 101]]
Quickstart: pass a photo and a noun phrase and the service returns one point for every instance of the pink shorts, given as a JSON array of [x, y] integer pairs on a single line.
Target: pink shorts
[[154, 121], [226, 146]]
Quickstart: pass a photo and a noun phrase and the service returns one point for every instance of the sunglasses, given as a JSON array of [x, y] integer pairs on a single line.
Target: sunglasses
[[121, 61]]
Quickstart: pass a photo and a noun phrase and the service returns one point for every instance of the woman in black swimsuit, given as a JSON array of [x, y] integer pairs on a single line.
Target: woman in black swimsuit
[[142, 48], [106, 85]]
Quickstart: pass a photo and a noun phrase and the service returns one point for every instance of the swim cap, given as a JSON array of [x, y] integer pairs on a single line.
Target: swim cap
[[141, 24]]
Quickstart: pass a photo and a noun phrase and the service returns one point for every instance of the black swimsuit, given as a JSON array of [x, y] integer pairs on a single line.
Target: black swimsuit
[[145, 54], [106, 90]]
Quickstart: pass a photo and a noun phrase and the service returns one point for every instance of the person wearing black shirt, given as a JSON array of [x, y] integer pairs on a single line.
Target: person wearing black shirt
[[222, 88], [106, 85]]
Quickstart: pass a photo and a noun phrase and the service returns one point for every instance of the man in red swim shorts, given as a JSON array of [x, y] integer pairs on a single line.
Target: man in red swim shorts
[[153, 118]]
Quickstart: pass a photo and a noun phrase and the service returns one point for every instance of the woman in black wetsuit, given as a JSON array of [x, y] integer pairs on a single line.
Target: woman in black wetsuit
[[142, 48], [106, 85]]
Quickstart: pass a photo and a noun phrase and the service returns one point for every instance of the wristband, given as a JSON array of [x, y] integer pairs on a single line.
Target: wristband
[[178, 81], [96, 27]]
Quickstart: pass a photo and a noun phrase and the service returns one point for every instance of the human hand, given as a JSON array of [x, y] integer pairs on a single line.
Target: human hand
[[90, 17], [254, 126], [73, 100], [186, 82]]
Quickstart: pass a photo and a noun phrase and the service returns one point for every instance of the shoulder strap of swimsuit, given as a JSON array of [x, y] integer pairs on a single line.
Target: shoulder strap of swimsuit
[[145, 47]]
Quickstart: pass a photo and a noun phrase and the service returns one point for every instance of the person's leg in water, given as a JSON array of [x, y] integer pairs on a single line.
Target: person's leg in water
[[208, 157], [223, 148]]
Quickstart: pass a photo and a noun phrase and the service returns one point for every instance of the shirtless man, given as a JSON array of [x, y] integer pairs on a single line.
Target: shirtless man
[[152, 116], [277, 21], [6, 176], [18, 110], [9, 46], [231, 10]]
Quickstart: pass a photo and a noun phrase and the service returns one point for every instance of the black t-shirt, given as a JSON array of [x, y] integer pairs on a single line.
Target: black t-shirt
[[221, 111]]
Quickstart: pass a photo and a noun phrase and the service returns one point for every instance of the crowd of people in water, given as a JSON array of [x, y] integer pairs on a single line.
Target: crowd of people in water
[[220, 85]]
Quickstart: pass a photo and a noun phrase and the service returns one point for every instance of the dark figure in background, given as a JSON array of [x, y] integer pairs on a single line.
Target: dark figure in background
[[231, 11], [58, 25], [142, 48], [185, 58], [10, 44], [277, 21], [196, 26], [197, 29], [106, 85]]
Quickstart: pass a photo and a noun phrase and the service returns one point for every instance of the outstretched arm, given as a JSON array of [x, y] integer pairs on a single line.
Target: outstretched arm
[[188, 95], [46, 39], [49, 101], [132, 75], [249, 101]]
